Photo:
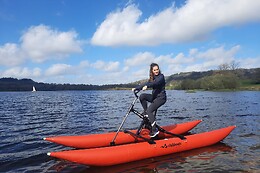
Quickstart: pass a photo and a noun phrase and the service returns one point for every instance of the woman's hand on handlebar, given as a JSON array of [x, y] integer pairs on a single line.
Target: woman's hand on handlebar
[[144, 88], [137, 90]]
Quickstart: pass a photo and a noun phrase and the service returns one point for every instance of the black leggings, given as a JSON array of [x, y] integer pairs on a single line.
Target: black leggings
[[155, 104]]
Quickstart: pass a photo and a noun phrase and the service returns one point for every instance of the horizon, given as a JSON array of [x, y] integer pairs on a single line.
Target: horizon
[[102, 43], [122, 83]]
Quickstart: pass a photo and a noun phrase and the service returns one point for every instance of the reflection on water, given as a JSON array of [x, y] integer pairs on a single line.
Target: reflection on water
[[28, 117]]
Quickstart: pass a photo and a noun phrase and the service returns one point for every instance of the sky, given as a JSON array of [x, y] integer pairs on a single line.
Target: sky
[[114, 42]]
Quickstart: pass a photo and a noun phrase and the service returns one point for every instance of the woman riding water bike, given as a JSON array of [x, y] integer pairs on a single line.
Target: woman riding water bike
[[157, 98]]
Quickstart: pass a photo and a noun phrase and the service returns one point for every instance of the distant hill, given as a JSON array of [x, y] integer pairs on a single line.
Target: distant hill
[[214, 79], [242, 73], [13, 84], [188, 80]]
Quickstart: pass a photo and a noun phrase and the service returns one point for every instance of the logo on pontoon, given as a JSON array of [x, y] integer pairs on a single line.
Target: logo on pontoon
[[170, 145]]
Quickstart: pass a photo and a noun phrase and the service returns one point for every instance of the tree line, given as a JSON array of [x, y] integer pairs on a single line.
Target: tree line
[[228, 76], [13, 84]]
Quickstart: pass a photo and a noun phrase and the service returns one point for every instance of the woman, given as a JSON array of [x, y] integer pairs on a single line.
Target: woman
[[157, 98]]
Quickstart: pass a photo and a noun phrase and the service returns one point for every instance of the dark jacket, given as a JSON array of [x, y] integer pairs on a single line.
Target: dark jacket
[[158, 85]]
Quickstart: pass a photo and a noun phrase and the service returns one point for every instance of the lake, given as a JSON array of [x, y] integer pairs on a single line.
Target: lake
[[27, 117]]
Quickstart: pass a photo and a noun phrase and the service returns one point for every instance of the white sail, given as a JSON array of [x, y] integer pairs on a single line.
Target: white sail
[[33, 90]]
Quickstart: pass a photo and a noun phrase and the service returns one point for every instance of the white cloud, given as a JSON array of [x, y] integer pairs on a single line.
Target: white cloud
[[141, 73], [249, 62], [210, 59], [99, 64], [192, 22], [218, 53], [22, 72], [180, 58], [144, 59], [195, 60], [38, 44], [11, 55], [106, 66], [123, 22], [37, 72], [59, 69], [140, 58], [213, 57], [84, 64], [42, 43]]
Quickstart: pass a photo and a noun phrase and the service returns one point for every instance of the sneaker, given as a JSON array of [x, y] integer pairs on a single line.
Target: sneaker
[[154, 133]]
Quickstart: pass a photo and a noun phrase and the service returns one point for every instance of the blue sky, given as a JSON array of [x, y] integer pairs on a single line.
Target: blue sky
[[112, 42]]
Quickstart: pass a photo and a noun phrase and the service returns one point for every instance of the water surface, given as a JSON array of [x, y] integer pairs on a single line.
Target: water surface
[[27, 117]]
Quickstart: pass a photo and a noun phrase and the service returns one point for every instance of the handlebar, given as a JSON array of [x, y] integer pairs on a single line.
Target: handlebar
[[136, 92]]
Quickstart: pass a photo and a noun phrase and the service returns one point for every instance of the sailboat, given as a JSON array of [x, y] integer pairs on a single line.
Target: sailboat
[[33, 89]]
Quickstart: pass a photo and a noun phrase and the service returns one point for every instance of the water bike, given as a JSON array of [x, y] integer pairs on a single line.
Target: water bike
[[131, 145]]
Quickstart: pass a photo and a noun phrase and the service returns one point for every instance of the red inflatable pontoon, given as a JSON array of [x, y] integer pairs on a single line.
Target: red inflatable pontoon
[[113, 155], [103, 140]]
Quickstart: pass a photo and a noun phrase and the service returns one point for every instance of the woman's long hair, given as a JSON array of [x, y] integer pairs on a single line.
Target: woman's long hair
[[151, 71]]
